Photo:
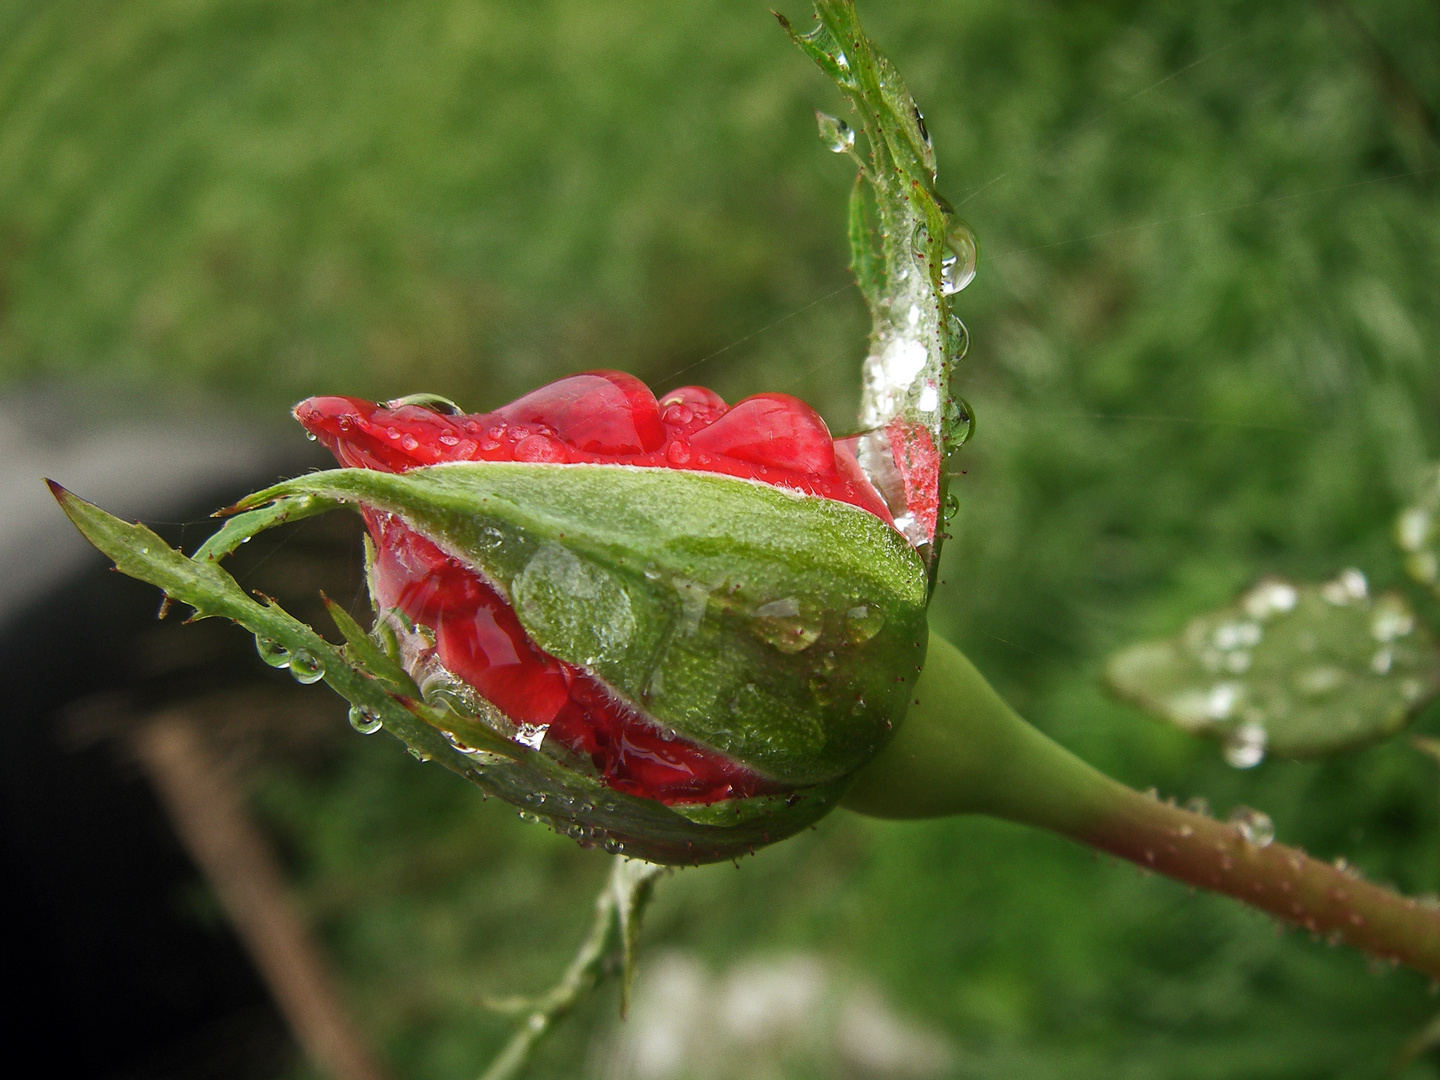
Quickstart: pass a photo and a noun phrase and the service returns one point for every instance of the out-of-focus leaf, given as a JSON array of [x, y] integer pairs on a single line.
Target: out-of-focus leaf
[[633, 884], [1295, 670], [1417, 532]]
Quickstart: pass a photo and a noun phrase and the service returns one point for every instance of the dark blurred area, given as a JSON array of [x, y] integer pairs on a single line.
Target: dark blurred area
[[127, 969], [1205, 333]]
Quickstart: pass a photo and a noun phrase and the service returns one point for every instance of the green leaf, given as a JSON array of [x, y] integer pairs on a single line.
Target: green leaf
[[1295, 670]]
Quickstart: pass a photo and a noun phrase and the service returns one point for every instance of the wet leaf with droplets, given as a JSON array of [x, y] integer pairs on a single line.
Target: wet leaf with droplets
[[1293, 670]]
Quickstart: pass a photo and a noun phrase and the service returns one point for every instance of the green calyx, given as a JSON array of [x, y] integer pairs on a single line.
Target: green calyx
[[783, 630]]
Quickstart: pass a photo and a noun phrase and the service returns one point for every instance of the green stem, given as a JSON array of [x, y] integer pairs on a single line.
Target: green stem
[[963, 750], [580, 978]]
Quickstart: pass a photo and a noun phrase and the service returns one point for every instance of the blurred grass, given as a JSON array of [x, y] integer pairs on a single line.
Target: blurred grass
[[1205, 327]]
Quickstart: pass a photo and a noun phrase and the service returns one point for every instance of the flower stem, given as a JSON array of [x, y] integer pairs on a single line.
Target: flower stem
[[618, 908], [583, 975], [963, 750]]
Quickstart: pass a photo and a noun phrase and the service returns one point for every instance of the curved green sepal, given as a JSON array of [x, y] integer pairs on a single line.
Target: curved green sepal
[[242, 527], [781, 629], [577, 805], [909, 251]]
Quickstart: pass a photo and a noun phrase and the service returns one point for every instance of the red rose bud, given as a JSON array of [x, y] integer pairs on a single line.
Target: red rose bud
[[703, 617]]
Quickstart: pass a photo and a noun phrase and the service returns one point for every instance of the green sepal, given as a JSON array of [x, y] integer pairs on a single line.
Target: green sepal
[[579, 805], [364, 651], [242, 527], [900, 226], [781, 629]]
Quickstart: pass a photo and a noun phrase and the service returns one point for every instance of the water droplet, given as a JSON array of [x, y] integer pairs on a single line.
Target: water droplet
[[1319, 681], [957, 264], [863, 622], [1245, 745], [1269, 597], [835, 133], [529, 818], [1221, 701], [784, 625], [1254, 825], [365, 721], [311, 436], [449, 440], [306, 667], [1198, 805], [531, 735], [1391, 620], [489, 538], [272, 652], [541, 449], [1414, 528], [409, 442], [677, 452], [1349, 588], [959, 337], [959, 420], [929, 399]]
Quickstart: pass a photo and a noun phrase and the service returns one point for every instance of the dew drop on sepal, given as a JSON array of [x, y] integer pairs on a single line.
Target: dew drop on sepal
[[306, 667], [835, 133], [365, 721], [957, 264], [1245, 746], [272, 652]]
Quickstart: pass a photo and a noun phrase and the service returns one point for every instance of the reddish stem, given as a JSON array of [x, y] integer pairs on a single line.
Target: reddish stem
[[963, 750], [1329, 900]]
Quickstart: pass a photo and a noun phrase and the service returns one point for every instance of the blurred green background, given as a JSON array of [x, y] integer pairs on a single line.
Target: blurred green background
[[1205, 337]]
